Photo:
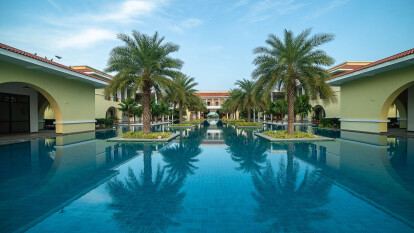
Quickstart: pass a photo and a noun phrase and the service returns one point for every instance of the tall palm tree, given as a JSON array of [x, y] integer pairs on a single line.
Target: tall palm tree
[[128, 106], [293, 61], [182, 92], [242, 97], [143, 63]]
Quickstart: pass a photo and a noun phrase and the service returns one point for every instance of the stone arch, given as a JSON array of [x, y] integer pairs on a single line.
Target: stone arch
[[393, 98], [113, 110], [49, 97], [318, 110]]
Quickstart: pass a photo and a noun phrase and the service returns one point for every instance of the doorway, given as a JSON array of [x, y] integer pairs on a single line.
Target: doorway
[[14, 113]]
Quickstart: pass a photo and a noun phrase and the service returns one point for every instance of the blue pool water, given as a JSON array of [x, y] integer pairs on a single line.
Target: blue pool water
[[210, 179]]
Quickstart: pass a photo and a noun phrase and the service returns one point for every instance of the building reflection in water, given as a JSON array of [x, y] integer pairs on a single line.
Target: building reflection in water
[[39, 176]]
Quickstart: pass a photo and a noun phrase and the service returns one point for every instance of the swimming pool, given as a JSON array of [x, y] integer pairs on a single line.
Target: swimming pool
[[211, 179]]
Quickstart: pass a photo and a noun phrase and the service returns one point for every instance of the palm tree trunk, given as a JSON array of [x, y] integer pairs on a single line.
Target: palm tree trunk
[[290, 171], [180, 108], [146, 109], [147, 165], [249, 118], [291, 108]]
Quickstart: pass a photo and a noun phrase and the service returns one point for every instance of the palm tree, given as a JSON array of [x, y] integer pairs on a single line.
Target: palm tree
[[249, 152], [286, 198], [143, 63], [293, 61], [241, 98], [302, 106], [182, 92], [138, 195], [280, 108], [128, 106]]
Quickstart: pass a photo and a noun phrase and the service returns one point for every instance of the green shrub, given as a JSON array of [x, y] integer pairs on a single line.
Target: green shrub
[[284, 135], [232, 120], [194, 122], [182, 125], [320, 125], [249, 124], [141, 135], [331, 122]]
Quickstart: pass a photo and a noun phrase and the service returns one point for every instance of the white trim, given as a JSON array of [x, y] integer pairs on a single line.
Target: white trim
[[99, 94], [55, 68], [72, 122], [402, 119], [364, 120], [41, 121], [369, 69]]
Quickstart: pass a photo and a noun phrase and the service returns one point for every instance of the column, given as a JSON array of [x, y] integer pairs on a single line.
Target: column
[[156, 99], [410, 109], [118, 96], [227, 115], [254, 115], [199, 115]]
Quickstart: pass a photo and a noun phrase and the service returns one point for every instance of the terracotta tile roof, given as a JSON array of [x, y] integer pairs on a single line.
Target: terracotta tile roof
[[387, 59], [212, 94], [18, 51]]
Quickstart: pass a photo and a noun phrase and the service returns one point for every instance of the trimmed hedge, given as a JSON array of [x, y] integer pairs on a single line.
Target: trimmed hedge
[[182, 125], [249, 124], [232, 120], [107, 122], [141, 135], [195, 122], [283, 134], [330, 123]]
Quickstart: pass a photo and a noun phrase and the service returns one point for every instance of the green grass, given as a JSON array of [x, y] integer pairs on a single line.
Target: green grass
[[241, 124], [194, 122], [232, 120], [141, 135], [283, 134], [181, 125]]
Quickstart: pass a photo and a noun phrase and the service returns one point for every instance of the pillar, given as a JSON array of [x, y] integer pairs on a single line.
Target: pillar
[[410, 109]]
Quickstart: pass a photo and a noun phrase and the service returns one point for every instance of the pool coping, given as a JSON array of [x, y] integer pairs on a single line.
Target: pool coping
[[118, 139], [251, 126], [293, 139]]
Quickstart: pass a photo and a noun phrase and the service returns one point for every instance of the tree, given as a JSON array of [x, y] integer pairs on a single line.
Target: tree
[[293, 61], [143, 63], [127, 106], [241, 98], [302, 106], [183, 93], [280, 107]]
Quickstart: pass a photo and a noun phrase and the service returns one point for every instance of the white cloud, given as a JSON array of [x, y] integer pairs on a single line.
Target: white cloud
[[332, 5], [187, 24], [129, 10], [85, 38], [241, 3], [54, 4], [265, 9]]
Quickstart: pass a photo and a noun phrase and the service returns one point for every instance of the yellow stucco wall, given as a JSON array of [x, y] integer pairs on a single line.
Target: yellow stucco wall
[[102, 105], [331, 109], [71, 100], [370, 98]]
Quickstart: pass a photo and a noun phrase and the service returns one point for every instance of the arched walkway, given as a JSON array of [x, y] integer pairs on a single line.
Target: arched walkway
[[319, 112], [20, 103], [112, 112]]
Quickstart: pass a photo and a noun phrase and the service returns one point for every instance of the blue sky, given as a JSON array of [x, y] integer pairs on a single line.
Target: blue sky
[[216, 36]]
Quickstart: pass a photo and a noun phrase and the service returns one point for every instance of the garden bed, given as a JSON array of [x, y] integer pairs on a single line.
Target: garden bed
[[281, 135], [249, 125], [181, 126], [140, 137]]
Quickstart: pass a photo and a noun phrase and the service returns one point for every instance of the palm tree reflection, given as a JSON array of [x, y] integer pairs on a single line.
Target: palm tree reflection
[[144, 204], [180, 158], [249, 152], [286, 199]]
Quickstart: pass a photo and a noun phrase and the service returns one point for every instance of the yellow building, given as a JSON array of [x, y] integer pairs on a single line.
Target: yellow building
[[29, 83]]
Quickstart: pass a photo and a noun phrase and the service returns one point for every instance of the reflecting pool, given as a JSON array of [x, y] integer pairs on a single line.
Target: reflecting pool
[[210, 179]]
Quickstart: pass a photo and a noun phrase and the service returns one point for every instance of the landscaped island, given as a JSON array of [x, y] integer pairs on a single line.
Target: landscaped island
[[141, 135], [181, 125], [249, 124], [282, 134]]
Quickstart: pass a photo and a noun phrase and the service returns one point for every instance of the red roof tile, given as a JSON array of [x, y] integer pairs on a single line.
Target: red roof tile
[[387, 59], [18, 51]]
